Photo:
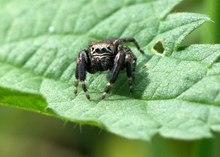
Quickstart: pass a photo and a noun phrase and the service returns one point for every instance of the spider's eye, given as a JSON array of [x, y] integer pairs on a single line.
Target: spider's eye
[[103, 49], [97, 50], [109, 48], [92, 49]]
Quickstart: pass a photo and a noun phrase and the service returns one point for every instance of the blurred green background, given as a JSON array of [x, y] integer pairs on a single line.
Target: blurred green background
[[25, 134], [209, 33]]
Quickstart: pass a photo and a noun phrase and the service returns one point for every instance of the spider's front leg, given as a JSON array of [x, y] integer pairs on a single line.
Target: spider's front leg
[[130, 64], [118, 65], [128, 40], [81, 68]]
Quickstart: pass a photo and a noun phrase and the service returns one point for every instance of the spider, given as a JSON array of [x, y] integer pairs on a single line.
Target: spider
[[109, 54]]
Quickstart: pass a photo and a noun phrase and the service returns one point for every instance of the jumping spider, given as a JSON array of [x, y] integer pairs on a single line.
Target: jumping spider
[[104, 55]]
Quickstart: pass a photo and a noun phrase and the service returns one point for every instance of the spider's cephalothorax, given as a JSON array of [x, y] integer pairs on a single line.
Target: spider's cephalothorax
[[106, 55]]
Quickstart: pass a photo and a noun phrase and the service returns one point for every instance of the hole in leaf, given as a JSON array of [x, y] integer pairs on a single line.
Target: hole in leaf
[[158, 47]]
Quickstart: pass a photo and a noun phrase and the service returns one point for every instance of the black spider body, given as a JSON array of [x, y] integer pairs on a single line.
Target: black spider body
[[106, 55]]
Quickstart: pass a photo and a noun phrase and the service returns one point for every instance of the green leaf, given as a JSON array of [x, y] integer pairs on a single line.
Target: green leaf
[[176, 93]]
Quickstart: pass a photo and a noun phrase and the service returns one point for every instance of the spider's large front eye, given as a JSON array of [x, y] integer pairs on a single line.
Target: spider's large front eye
[[97, 50], [103, 50]]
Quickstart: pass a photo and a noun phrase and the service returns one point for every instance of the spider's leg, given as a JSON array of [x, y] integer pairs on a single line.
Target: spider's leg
[[76, 82], [81, 68], [127, 40], [130, 64], [118, 65]]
